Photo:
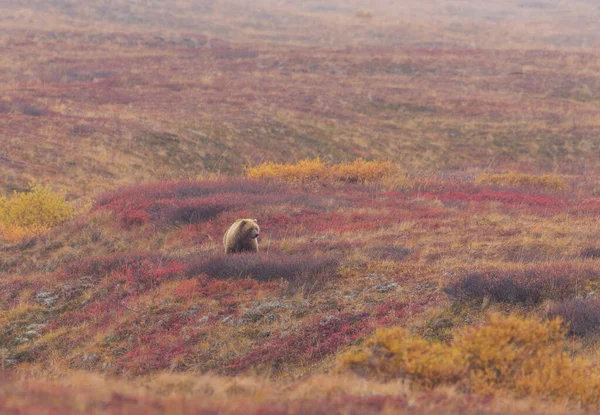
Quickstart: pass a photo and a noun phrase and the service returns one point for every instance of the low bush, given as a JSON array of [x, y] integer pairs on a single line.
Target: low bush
[[582, 316], [138, 269], [591, 252], [32, 212], [182, 190], [189, 202], [324, 336], [522, 356], [297, 269], [527, 286]]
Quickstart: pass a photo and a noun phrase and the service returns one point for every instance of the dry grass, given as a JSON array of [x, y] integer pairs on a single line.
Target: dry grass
[[189, 394], [318, 172], [515, 179]]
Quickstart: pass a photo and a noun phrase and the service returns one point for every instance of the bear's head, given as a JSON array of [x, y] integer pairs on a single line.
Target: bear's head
[[250, 228]]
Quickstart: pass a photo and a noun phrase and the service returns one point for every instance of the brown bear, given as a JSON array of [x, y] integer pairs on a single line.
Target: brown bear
[[242, 236]]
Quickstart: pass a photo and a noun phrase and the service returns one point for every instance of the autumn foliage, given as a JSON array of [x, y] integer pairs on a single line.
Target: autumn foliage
[[32, 212], [523, 356]]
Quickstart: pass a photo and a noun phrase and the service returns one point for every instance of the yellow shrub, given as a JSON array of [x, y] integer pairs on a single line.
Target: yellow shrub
[[32, 212], [362, 171], [394, 353], [546, 181], [522, 356], [317, 171], [305, 171]]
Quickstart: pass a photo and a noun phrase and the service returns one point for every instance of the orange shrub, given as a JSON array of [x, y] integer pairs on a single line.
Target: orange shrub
[[522, 356], [514, 179]]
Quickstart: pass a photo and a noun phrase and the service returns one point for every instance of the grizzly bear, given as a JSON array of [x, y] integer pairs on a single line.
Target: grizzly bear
[[242, 236]]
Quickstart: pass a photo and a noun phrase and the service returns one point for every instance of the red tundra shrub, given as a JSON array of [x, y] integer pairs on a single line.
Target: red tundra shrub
[[188, 288], [136, 268], [152, 273], [590, 206], [389, 312], [154, 348], [188, 202], [319, 339], [182, 190]]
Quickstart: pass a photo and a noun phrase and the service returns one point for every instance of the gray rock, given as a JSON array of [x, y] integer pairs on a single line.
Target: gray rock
[[386, 287], [46, 297]]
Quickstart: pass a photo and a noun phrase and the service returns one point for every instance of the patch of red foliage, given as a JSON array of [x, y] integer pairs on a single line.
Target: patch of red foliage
[[314, 222], [281, 209], [183, 202], [389, 312], [100, 313], [155, 347], [324, 336], [588, 206], [110, 281], [138, 269], [141, 278], [204, 286]]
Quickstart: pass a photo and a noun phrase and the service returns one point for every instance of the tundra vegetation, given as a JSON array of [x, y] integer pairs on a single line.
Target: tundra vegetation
[[426, 180]]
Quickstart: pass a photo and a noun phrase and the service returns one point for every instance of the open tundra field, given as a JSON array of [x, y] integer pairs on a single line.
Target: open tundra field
[[425, 175], [98, 95]]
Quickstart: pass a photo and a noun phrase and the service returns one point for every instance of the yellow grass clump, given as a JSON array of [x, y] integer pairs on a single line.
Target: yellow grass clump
[[318, 171], [521, 356], [514, 179], [32, 212]]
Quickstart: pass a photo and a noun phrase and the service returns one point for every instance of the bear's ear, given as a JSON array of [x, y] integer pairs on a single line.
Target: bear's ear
[[255, 220], [243, 222]]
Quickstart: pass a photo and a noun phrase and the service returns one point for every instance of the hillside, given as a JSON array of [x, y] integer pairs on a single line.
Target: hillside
[[140, 283], [87, 106], [456, 271]]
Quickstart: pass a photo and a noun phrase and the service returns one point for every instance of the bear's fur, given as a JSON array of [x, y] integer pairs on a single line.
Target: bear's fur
[[242, 236]]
